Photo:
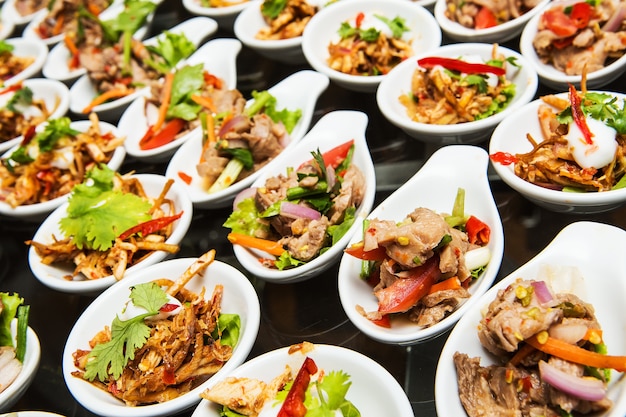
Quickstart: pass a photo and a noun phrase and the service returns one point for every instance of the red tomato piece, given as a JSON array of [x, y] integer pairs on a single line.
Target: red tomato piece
[[294, 403], [558, 22], [581, 14], [484, 19]]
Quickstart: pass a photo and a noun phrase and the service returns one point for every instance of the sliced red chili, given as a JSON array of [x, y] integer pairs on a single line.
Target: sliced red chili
[[581, 14], [11, 88], [185, 177], [503, 158], [167, 307], [150, 226], [357, 251], [152, 140], [578, 115], [359, 19], [477, 231], [459, 65], [294, 403]]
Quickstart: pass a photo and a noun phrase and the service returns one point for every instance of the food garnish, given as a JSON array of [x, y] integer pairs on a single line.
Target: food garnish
[[12, 352], [285, 18], [21, 112], [474, 14], [11, 64]]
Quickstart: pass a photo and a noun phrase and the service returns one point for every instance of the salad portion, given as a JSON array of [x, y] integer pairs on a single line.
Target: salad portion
[[577, 36], [297, 215], [286, 18], [166, 341], [311, 391], [63, 16], [11, 64], [220, 3], [420, 268], [110, 225], [476, 14], [370, 44], [48, 163], [582, 147], [12, 350], [20, 111], [552, 359], [449, 91]]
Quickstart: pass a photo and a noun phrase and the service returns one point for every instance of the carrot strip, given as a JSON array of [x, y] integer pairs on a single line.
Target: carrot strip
[[523, 351], [204, 102], [108, 95], [74, 53], [269, 246], [577, 354], [453, 283], [167, 95], [58, 25], [93, 9]]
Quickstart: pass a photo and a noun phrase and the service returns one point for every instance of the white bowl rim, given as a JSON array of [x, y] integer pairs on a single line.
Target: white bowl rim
[[194, 7], [35, 67]]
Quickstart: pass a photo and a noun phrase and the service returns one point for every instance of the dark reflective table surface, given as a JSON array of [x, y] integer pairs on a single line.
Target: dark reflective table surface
[[291, 313]]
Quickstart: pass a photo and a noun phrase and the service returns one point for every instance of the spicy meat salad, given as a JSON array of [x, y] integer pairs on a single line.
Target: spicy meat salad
[[581, 36], [483, 14], [286, 19], [63, 16], [297, 215], [370, 44], [448, 91], [552, 357], [165, 342], [111, 225], [11, 64], [582, 145], [49, 163], [20, 111], [421, 267]]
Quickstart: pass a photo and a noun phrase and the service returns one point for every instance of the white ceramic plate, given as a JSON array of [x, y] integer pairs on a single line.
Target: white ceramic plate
[[18, 387], [374, 391], [83, 91], [298, 91], [510, 136], [239, 297], [27, 48], [398, 82], [219, 57], [450, 168], [53, 276], [332, 129], [31, 414], [323, 26], [224, 16], [556, 79], [54, 93], [38, 211], [603, 268], [496, 34]]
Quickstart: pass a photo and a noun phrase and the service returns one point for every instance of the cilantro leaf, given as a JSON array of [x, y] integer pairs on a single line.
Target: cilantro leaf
[[397, 25], [272, 8], [5, 47], [53, 131], [335, 384], [369, 34], [346, 30], [149, 296], [9, 304], [22, 97]]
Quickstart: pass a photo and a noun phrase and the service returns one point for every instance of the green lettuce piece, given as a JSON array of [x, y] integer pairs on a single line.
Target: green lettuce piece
[[244, 218], [10, 303], [187, 81], [228, 329]]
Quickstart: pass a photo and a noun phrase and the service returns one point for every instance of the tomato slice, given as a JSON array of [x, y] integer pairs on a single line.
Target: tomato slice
[[581, 14], [357, 251], [558, 22], [484, 19]]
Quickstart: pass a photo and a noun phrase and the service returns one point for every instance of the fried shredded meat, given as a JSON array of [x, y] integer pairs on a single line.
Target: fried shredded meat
[[289, 23], [12, 64]]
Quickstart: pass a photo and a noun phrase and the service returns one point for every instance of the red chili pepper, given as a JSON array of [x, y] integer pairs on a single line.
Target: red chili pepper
[[150, 226], [477, 231], [169, 377], [357, 251], [578, 115], [458, 65], [152, 140], [212, 80], [185, 177], [29, 135], [485, 18], [384, 321], [167, 307], [581, 14], [11, 88], [334, 156], [359, 19], [47, 177], [294, 403], [503, 158]]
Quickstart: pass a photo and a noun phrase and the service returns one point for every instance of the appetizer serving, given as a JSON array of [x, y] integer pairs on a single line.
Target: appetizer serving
[[29, 7], [64, 16], [286, 19], [421, 267], [20, 111], [448, 91], [582, 146], [51, 160], [483, 15], [551, 353], [299, 214], [10, 63], [110, 224], [577, 36], [12, 350]]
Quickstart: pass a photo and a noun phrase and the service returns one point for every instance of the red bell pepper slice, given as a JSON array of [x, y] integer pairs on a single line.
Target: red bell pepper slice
[[11, 88], [578, 115], [503, 158], [152, 140], [294, 403], [335, 156], [477, 231], [485, 18], [558, 22], [150, 226], [359, 19], [459, 65], [357, 251], [404, 293]]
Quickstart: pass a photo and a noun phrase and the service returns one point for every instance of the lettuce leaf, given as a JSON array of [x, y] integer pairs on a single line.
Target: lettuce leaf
[[10, 303]]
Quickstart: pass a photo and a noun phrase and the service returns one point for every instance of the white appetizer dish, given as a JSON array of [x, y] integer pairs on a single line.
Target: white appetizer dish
[[31, 48], [55, 276], [219, 58], [398, 83], [54, 94], [83, 91], [510, 137], [38, 211], [250, 21], [17, 19], [30, 365], [6, 25], [496, 34], [448, 169], [239, 297], [600, 280], [424, 33], [331, 130], [556, 79], [224, 16], [298, 91], [373, 390]]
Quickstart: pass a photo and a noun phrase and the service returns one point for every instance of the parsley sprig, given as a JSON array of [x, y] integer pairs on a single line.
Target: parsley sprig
[[397, 25], [600, 106]]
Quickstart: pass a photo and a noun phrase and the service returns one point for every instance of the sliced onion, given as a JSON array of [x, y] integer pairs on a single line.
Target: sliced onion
[[233, 124], [478, 257], [571, 332], [298, 211], [616, 19], [243, 194], [543, 293], [589, 389]]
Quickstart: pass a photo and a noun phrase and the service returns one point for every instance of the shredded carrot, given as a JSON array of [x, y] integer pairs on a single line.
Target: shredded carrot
[[185, 177], [69, 42], [167, 95], [58, 25], [576, 354], [204, 102], [108, 95], [93, 9], [453, 283], [269, 246], [523, 351]]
